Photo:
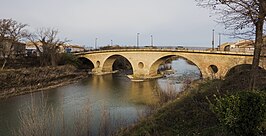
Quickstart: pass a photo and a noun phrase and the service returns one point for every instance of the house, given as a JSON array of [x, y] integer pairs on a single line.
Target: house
[[263, 50], [224, 47], [243, 46], [68, 48], [239, 46], [64, 48], [31, 49], [11, 48]]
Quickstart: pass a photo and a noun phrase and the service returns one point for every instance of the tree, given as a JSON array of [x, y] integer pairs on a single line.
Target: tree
[[243, 18], [47, 44], [10, 32]]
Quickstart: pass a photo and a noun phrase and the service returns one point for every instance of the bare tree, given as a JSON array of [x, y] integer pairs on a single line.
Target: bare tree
[[47, 43], [10, 32], [243, 18]]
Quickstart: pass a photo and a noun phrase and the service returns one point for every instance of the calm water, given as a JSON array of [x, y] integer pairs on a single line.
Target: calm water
[[124, 100]]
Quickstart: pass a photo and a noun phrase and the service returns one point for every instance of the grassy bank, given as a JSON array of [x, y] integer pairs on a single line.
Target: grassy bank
[[190, 113], [26, 80]]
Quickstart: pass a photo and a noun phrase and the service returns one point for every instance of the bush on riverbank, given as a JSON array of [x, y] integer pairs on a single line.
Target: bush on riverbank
[[69, 59], [242, 113], [190, 113], [34, 61], [25, 80]]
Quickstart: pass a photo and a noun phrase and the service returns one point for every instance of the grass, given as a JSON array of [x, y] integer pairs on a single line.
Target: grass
[[190, 113]]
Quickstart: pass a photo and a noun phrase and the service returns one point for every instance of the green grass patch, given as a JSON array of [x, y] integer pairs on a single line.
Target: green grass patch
[[189, 114]]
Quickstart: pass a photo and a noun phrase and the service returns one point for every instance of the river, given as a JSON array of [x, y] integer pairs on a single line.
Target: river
[[114, 96]]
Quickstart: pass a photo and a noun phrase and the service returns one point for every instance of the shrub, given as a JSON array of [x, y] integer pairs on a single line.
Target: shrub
[[242, 113], [67, 58]]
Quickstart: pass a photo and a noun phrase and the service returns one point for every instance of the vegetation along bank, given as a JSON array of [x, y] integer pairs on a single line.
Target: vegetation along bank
[[214, 107], [26, 80]]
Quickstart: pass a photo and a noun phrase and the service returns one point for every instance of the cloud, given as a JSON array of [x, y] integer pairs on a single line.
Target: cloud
[[170, 21]]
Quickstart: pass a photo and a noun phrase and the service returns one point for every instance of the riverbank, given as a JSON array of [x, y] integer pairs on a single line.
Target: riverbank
[[27, 80], [190, 113]]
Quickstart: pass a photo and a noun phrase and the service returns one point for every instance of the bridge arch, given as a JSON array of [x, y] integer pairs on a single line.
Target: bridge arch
[[156, 64], [239, 69], [117, 62], [85, 63], [226, 48]]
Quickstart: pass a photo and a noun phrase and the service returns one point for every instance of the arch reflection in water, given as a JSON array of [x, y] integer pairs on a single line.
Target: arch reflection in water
[[120, 87], [143, 93]]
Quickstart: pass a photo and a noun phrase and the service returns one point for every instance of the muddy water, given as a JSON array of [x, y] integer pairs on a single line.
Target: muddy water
[[123, 100]]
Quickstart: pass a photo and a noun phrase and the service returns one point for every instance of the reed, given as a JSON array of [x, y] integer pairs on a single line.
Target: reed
[[82, 123], [43, 120], [37, 120], [105, 122]]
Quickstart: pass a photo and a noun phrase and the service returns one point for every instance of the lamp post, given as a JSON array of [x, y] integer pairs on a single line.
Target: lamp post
[[111, 42], [95, 43], [151, 40], [138, 39], [220, 39], [212, 39]]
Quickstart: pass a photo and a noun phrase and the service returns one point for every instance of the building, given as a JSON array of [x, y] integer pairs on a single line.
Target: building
[[224, 47], [263, 50], [64, 48], [10, 48], [68, 48], [31, 49], [239, 46]]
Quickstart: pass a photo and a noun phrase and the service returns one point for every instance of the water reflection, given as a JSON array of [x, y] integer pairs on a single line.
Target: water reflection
[[122, 98], [183, 74], [143, 93]]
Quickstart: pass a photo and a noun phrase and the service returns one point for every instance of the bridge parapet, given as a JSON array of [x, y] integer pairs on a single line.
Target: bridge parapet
[[167, 50]]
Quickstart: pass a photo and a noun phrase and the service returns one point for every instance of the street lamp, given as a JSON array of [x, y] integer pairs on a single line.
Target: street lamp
[[95, 43], [138, 39], [151, 40], [212, 39], [220, 39], [111, 42]]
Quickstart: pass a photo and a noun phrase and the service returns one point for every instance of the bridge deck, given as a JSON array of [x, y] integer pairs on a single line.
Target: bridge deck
[[169, 50]]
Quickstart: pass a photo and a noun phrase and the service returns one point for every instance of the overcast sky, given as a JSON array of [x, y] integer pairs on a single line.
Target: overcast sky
[[171, 22]]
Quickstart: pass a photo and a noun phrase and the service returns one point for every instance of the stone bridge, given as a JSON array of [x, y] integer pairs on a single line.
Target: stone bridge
[[145, 62]]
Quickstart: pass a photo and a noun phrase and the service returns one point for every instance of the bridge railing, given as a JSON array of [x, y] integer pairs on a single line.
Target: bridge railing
[[163, 50]]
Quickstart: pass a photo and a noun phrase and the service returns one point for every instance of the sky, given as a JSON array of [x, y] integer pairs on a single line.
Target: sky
[[171, 22]]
